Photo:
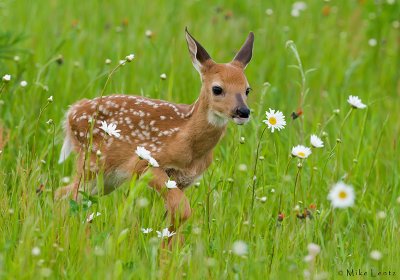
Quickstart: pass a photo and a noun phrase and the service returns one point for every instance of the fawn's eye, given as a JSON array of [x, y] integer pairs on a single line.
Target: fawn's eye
[[248, 91], [217, 90]]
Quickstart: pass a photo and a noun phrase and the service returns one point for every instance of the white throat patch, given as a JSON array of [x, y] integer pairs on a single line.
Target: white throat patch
[[216, 119]]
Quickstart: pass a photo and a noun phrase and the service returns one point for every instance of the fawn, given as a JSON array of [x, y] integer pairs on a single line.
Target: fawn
[[180, 137]]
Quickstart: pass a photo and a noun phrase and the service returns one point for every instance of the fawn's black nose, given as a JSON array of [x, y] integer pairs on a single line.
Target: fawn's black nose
[[243, 112]]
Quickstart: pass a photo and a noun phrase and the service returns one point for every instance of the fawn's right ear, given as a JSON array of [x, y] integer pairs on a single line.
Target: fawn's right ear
[[198, 54]]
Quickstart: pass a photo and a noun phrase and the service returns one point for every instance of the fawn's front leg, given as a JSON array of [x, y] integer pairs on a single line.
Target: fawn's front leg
[[176, 202]]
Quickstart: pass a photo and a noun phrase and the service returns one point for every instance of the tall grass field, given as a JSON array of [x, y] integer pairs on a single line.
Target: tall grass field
[[259, 211]]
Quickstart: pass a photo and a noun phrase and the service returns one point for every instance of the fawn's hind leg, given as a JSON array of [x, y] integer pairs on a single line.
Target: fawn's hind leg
[[84, 179]]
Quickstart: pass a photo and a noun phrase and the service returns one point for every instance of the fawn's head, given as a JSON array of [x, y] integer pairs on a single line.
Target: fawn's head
[[224, 86]]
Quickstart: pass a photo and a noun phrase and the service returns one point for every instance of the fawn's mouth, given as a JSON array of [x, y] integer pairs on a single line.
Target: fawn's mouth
[[240, 121]]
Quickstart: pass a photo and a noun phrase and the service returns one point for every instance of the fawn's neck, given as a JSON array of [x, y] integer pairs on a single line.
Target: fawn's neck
[[202, 134]]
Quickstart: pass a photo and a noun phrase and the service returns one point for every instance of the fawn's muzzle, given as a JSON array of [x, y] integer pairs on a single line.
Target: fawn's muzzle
[[243, 112]]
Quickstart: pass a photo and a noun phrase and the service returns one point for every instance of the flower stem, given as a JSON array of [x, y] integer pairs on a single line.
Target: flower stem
[[295, 184], [344, 120], [255, 168]]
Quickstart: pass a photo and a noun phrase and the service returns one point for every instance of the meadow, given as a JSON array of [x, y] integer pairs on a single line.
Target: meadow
[[257, 208]]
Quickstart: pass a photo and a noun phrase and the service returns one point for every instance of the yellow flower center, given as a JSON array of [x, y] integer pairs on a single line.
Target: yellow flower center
[[272, 120], [301, 154], [342, 195]]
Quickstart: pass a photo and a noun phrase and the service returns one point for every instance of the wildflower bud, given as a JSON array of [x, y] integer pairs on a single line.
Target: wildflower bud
[[336, 111], [355, 161], [242, 140], [230, 180], [107, 61], [130, 57], [315, 168], [23, 83], [149, 34], [313, 206], [90, 120], [77, 64], [16, 58], [254, 178], [300, 202], [299, 165], [281, 216], [98, 153], [261, 158], [272, 190], [50, 99], [266, 84], [35, 251], [313, 249], [338, 140], [296, 208], [6, 78], [50, 122], [122, 62], [43, 161], [60, 59], [324, 134], [163, 76], [381, 215], [263, 199]]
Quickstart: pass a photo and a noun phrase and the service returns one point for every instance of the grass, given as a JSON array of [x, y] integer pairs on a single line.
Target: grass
[[332, 37]]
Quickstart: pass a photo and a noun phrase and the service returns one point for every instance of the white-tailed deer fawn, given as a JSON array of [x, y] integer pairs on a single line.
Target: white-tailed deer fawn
[[180, 137]]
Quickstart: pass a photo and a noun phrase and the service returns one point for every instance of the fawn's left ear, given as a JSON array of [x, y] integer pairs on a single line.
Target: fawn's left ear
[[245, 53], [198, 54]]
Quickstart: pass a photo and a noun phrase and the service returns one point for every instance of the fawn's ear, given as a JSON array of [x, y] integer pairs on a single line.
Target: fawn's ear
[[198, 54], [245, 53]]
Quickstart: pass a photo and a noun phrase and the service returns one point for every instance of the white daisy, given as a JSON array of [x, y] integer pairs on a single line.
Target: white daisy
[[153, 162], [146, 155], [6, 78], [146, 230], [341, 195], [301, 152], [149, 33], [171, 184], [372, 42], [375, 255], [165, 233], [130, 57], [299, 5], [275, 120], [316, 142], [23, 83], [142, 152], [110, 129], [239, 248], [313, 249], [36, 251], [355, 102]]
